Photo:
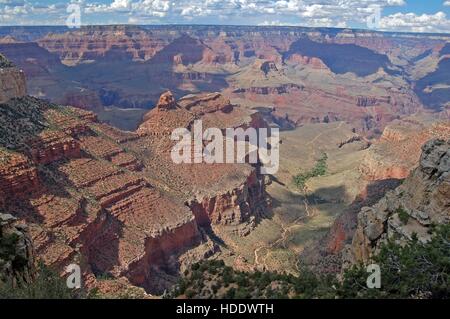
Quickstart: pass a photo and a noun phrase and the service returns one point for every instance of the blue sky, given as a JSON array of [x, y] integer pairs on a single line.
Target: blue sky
[[390, 15]]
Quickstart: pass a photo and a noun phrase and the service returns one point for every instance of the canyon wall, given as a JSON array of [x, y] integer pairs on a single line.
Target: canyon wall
[[385, 164], [368, 80], [241, 206], [409, 210], [399, 148]]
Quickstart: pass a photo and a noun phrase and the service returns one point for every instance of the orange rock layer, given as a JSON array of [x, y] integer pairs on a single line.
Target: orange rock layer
[[114, 199]]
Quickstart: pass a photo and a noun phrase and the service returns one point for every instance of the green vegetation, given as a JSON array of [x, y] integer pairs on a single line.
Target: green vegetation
[[46, 285], [402, 215], [212, 279], [413, 270], [319, 169]]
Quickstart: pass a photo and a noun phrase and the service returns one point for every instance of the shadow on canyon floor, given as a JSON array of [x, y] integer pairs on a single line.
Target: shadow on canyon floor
[[324, 254]]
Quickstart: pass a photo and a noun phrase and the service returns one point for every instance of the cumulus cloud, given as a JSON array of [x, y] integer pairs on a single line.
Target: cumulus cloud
[[329, 13], [437, 22], [121, 4]]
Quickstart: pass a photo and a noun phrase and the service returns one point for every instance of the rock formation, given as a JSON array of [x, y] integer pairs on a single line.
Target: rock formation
[[114, 199], [385, 164], [369, 80], [314, 62], [17, 257], [119, 43], [214, 198], [411, 209], [398, 150], [166, 102]]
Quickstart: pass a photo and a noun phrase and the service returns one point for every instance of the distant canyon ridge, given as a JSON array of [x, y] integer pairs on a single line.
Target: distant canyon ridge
[[300, 75]]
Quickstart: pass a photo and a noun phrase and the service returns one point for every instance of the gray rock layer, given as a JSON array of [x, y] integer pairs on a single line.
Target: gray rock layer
[[423, 200]]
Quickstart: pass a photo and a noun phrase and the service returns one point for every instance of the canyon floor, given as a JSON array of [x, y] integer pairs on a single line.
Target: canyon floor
[[299, 217]]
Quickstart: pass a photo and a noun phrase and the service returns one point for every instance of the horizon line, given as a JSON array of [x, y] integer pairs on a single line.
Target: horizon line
[[227, 25]]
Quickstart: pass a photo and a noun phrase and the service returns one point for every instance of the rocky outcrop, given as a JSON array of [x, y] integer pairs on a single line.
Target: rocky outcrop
[[268, 66], [235, 203], [206, 103], [18, 177], [17, 256], [165, 117], [237, 207], [312, 62], [166, 101], [50, 147], [411, 209], [12, 81]]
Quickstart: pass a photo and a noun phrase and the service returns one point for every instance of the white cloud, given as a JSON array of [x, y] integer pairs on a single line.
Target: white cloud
[[447, 3], [396, 2], [121, 4], [437, 22], [13, 3], [330, 13]]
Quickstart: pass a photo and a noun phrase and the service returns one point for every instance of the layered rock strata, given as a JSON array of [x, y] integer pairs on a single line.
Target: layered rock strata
[[113, 201], [411, 209], [398, 150]]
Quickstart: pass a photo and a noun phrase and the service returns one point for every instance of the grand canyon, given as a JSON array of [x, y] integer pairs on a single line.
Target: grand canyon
[[86, 175]]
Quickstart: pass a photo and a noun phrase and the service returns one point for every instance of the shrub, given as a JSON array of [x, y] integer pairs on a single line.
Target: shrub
[[402, 215], [319, 169], [414, 270]]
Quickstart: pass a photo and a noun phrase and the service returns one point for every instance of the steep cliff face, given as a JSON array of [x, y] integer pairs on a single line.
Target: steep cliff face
[[241, 206], [423, 200], [17, 256], [12, 81], [97, 43]]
